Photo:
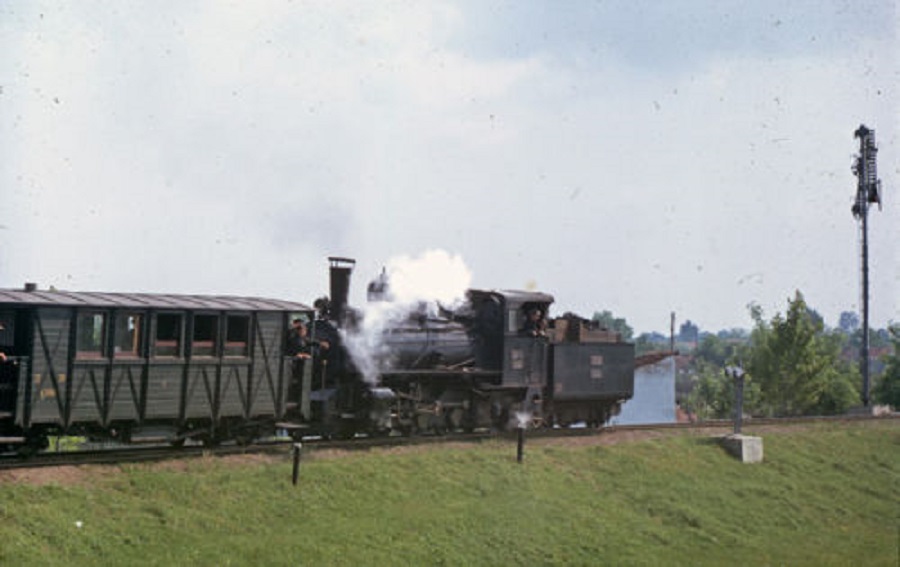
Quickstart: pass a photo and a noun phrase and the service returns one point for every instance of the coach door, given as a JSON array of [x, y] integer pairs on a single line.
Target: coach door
[[9, 369]]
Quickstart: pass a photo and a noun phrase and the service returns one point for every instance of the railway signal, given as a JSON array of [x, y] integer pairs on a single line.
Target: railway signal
[[737, 374], [868, 192]]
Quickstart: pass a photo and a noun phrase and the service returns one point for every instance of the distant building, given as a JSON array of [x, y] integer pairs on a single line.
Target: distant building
[[654, 391]]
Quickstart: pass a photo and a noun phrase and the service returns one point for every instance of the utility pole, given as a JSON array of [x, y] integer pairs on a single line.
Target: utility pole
[[868, 191], [672, 333]]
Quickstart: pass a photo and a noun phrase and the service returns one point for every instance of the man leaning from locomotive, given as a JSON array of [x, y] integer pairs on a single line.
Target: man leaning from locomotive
[[300, 348]]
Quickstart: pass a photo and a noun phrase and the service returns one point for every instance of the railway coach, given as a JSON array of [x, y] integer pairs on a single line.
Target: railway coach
[[134, 367]]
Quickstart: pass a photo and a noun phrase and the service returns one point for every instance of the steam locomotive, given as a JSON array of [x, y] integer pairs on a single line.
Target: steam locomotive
[[168, 368], [484, 364]]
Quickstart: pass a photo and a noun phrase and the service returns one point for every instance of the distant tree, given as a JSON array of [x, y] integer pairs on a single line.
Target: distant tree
[[650, 342], [705, 390], [733, 334], [654, 337], [815, 317], [878, 338], [606, 320], [848, 322], [709, 396], [887, 388], [713, 393], [797, 365], [713, 350]]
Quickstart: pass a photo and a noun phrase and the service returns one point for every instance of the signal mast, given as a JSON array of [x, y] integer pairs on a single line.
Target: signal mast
[[868, 191]]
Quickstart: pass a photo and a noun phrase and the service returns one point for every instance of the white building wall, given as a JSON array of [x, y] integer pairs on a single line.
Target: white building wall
[[654, 395]]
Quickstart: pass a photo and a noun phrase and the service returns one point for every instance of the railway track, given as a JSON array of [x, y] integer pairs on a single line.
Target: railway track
[[131, 454]]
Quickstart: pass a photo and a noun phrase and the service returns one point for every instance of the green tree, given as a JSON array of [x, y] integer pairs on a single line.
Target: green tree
[[797, 364], [887, 389], [734, 334], [713, 393], [644, 344], [704, 389], [714, 350], [878, 338], [606, 320]]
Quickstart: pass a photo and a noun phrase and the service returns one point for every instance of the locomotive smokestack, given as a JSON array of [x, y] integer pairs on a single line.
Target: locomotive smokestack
[[340, 285]]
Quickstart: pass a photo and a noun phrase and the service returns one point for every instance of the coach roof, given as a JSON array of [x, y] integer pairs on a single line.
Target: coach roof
[[21, 298]]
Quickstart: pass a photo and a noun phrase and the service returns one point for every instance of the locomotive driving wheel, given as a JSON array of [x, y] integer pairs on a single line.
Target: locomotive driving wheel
[[455, 418]]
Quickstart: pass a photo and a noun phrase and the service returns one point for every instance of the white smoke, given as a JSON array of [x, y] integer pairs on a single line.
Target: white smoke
[[434, 278], [523, 419]]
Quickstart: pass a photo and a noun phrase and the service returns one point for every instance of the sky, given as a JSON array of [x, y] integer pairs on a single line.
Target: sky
[[640, 157]]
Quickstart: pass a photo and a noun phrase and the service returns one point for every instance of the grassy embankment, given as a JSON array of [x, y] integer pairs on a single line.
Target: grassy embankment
[[826, 495]]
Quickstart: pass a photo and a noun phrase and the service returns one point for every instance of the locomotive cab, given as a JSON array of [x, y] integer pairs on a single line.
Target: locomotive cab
[[512, 331]]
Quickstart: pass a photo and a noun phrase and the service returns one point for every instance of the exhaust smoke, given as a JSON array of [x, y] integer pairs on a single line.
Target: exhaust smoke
[[411, 285]]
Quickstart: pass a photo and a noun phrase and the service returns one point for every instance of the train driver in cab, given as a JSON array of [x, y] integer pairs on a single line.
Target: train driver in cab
[[298, 344], [535, 324]]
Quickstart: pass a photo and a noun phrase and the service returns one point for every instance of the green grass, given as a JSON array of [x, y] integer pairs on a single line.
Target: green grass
[[827, 495]]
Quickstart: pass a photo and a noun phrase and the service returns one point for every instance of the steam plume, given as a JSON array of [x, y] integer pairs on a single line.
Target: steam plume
[[413, 283]]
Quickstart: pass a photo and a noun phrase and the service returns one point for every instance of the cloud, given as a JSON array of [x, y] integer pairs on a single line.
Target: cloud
[[232, 147]]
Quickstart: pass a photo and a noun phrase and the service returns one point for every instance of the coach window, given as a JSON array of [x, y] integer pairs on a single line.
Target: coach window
[[129, 330], [206, 331], [90, 335], [168, 335], [7, 332], [237, 335]]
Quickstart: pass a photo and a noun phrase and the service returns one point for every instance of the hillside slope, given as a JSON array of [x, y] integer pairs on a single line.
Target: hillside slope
[[826, 495]]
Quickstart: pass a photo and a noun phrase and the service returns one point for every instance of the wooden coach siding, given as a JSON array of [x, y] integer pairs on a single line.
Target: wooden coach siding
[[87, 401], [64, 390], [164, 379], [216, 390], [125, 393], [269, 373], [49, 368]]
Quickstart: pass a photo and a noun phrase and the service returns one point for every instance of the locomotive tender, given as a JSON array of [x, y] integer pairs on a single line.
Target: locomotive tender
[[165, 367]]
